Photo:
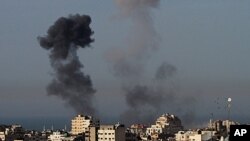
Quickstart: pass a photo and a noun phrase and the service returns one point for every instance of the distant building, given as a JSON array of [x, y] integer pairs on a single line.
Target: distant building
[[111, 133], [80, 124], [194, 135], [221, 125], [2, 136], [166, 125], [35, 136], [59, 136], [138, 129], [91, 133]]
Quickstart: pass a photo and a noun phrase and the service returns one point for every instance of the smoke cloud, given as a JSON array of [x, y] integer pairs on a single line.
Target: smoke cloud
[[165, 71], [63, 39], [143, 38], [145, 98], [145, 101]]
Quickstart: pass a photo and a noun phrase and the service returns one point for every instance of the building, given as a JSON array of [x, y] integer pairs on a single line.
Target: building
[[56, 136], [221, 125], [2, 136], [138, 129], [91, 133], [80, 124], [34, 136], [111, 133], [194, 135], [166, 125]]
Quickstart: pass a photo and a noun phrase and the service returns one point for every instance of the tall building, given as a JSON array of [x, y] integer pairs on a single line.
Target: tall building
[[80, 124], [111, 133]]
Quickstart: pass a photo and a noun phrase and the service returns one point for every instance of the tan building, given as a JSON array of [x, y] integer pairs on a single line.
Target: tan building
[[80, 124], [165, 124], [194, 135], [111, 133], [91, 133], [2, 136]]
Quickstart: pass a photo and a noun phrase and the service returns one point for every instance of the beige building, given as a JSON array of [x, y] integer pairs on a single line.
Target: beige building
[[91, 133], [111, 133], [80, 124], [194, 135], [2, 136], [165, 124]]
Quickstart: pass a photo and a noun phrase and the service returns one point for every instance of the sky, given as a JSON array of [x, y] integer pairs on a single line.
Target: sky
[[207, 41]]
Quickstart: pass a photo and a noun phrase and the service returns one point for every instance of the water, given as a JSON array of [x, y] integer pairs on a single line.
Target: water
[[39, 123]]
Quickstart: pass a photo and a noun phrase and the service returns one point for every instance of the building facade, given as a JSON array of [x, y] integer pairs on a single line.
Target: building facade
[[111, 133], [165, 125], [80, 124]]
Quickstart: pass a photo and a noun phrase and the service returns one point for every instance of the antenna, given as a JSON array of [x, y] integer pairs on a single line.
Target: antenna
[[229, 100]]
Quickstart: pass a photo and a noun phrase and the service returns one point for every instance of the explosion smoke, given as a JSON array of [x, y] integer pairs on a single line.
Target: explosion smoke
[[129, 66], [69, 82], [142, 40], [145, 99]]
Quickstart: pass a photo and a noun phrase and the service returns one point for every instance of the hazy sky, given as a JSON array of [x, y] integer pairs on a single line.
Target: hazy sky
[[207, 40]]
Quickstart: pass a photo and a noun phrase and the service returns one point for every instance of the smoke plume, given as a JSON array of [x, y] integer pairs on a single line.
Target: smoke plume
[[164, 71], [129, 63], [143, 38], [145, 98], [145, 101], [69, 83]]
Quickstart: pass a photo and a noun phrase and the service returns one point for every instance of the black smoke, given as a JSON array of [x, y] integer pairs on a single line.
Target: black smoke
[[63, 39], [145, 101]]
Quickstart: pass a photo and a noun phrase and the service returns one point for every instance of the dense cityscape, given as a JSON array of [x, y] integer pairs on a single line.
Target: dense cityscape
[[167, 127]]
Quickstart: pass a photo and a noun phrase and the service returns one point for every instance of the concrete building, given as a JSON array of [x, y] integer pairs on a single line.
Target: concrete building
[[91, 133], [194, 135], [80, 123], [138, 129], [165, 125], [111, 133], [35, 136], [56, 136], [2, 136], [221, 125]]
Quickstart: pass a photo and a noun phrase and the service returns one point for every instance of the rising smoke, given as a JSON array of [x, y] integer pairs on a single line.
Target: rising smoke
[[145, 99], [129, 66], [69, 83], [143, 38]]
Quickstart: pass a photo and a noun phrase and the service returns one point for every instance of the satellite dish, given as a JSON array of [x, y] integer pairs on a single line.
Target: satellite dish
[[229, 99]]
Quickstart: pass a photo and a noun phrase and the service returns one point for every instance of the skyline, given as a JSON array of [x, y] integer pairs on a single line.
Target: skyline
[[206, 41]]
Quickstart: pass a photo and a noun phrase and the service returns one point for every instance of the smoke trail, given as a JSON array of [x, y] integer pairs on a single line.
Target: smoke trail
[[69, 82]]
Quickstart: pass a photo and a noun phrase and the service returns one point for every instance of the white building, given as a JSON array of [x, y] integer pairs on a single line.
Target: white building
[[56, 136], [111, 133]]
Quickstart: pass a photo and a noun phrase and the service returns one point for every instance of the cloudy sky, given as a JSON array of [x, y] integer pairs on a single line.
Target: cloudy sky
[[207, 41]]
